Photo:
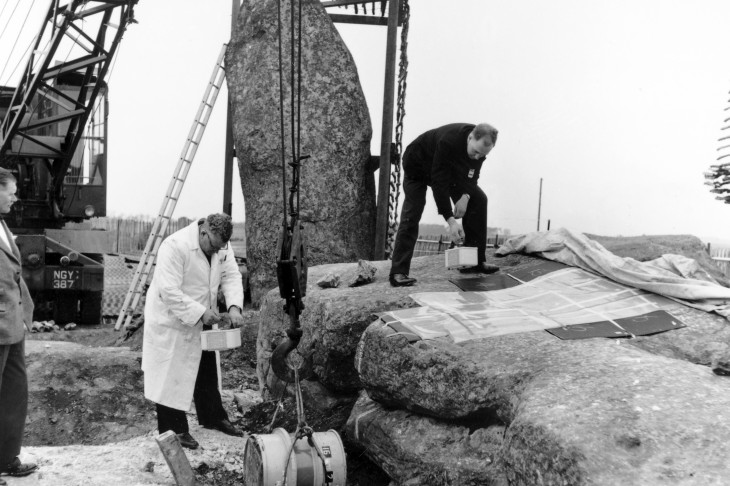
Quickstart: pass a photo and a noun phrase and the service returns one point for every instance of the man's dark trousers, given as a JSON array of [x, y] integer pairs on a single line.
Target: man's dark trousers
[[208, 404], [474, 223], [13, 400]]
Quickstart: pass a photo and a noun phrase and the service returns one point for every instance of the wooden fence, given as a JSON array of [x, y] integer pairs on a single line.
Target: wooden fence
[[721, 257], [129, 236], [435, 244]]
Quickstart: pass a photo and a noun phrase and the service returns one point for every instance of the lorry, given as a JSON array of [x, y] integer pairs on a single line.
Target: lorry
[[54, 141]]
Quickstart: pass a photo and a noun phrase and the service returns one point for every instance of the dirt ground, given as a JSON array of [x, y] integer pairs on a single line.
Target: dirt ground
[[71, 457]]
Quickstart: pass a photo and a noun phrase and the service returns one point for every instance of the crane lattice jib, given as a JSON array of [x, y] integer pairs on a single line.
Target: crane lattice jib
[[90, 56], [395, 167]]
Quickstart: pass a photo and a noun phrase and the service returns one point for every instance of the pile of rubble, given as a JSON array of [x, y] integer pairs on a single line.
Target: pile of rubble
[[50, 326]]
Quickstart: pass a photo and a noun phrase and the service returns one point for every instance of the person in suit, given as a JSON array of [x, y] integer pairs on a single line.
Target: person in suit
[[16, 315], [449, 160]]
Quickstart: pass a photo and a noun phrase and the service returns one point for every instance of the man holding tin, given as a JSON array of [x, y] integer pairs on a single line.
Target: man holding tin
[[192, 264], [449, 160]]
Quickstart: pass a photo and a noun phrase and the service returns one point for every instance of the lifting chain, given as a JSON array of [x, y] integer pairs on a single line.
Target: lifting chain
[[291, 264], [395, 166]]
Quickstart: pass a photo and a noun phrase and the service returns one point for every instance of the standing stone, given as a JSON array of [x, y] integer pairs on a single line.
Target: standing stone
[[337, 192]]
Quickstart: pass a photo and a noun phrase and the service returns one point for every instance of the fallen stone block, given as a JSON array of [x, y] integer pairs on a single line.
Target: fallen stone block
[[415, 450], [334, 319], [590, 411]]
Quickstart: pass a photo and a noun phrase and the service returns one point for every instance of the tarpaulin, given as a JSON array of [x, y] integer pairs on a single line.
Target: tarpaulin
[[674, 276]]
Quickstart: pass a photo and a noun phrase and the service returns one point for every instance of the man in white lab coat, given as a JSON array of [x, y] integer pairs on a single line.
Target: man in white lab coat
[[192, 264]]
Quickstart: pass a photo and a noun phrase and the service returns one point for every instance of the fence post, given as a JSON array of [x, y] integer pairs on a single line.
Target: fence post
[[119, 222]]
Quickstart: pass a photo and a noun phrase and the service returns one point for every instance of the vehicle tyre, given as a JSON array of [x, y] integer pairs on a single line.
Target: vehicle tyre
[[91, 308], [66, 308]]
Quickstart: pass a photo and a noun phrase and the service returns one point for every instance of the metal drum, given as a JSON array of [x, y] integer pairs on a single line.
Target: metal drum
[[265, 458]]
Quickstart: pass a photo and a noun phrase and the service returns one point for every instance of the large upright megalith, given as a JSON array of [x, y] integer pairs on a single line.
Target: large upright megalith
[[337, 192]]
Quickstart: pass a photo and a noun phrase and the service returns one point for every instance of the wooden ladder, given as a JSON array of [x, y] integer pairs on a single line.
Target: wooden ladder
[[147, 261]]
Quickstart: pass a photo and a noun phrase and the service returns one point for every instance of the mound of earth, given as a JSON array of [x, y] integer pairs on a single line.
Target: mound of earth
[[84, 395]]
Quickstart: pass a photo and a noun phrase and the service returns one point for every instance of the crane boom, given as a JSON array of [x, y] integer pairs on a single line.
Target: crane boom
[[53, 140], [89, 58]]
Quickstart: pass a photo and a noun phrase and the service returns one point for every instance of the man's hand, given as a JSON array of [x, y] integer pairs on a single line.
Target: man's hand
[[210, 317], [456, 232], [236, 318], [461, 204]]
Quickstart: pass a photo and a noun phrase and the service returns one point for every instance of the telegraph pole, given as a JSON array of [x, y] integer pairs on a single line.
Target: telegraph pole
[[539, 205]]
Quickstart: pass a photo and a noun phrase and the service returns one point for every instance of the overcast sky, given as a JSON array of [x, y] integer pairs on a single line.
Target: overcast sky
[[617, 105]]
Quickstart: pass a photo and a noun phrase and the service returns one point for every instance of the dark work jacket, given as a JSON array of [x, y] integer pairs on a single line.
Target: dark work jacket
[[439, 157], [16, 306]]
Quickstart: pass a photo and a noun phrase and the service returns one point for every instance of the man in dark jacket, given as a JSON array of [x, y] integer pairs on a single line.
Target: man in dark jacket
[[449, 159], [16, 313]]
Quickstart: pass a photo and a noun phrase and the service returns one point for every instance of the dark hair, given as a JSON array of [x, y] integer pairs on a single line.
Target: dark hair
[[221, 225], [6, 176], [484, 129]]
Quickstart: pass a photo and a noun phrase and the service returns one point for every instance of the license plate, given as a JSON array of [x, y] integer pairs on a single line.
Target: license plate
[[66, 279]]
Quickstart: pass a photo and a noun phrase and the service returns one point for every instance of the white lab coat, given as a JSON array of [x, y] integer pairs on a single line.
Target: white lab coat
[[183, 286]]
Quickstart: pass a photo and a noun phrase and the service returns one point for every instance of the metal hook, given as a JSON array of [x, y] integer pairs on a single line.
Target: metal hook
[[280, 364]]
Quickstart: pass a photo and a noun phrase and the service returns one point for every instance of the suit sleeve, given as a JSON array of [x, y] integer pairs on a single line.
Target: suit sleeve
[[169, 273], [231, 280], [441, 178]]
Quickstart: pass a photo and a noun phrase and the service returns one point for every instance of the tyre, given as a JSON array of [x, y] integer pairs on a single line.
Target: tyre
[[66, 308], [91, 308]]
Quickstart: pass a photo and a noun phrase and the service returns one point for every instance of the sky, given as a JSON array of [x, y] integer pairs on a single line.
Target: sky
[[616, 105]]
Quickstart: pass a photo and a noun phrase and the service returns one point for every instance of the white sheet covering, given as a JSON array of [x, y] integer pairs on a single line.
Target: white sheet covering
[[674, 276], [560, 298]]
